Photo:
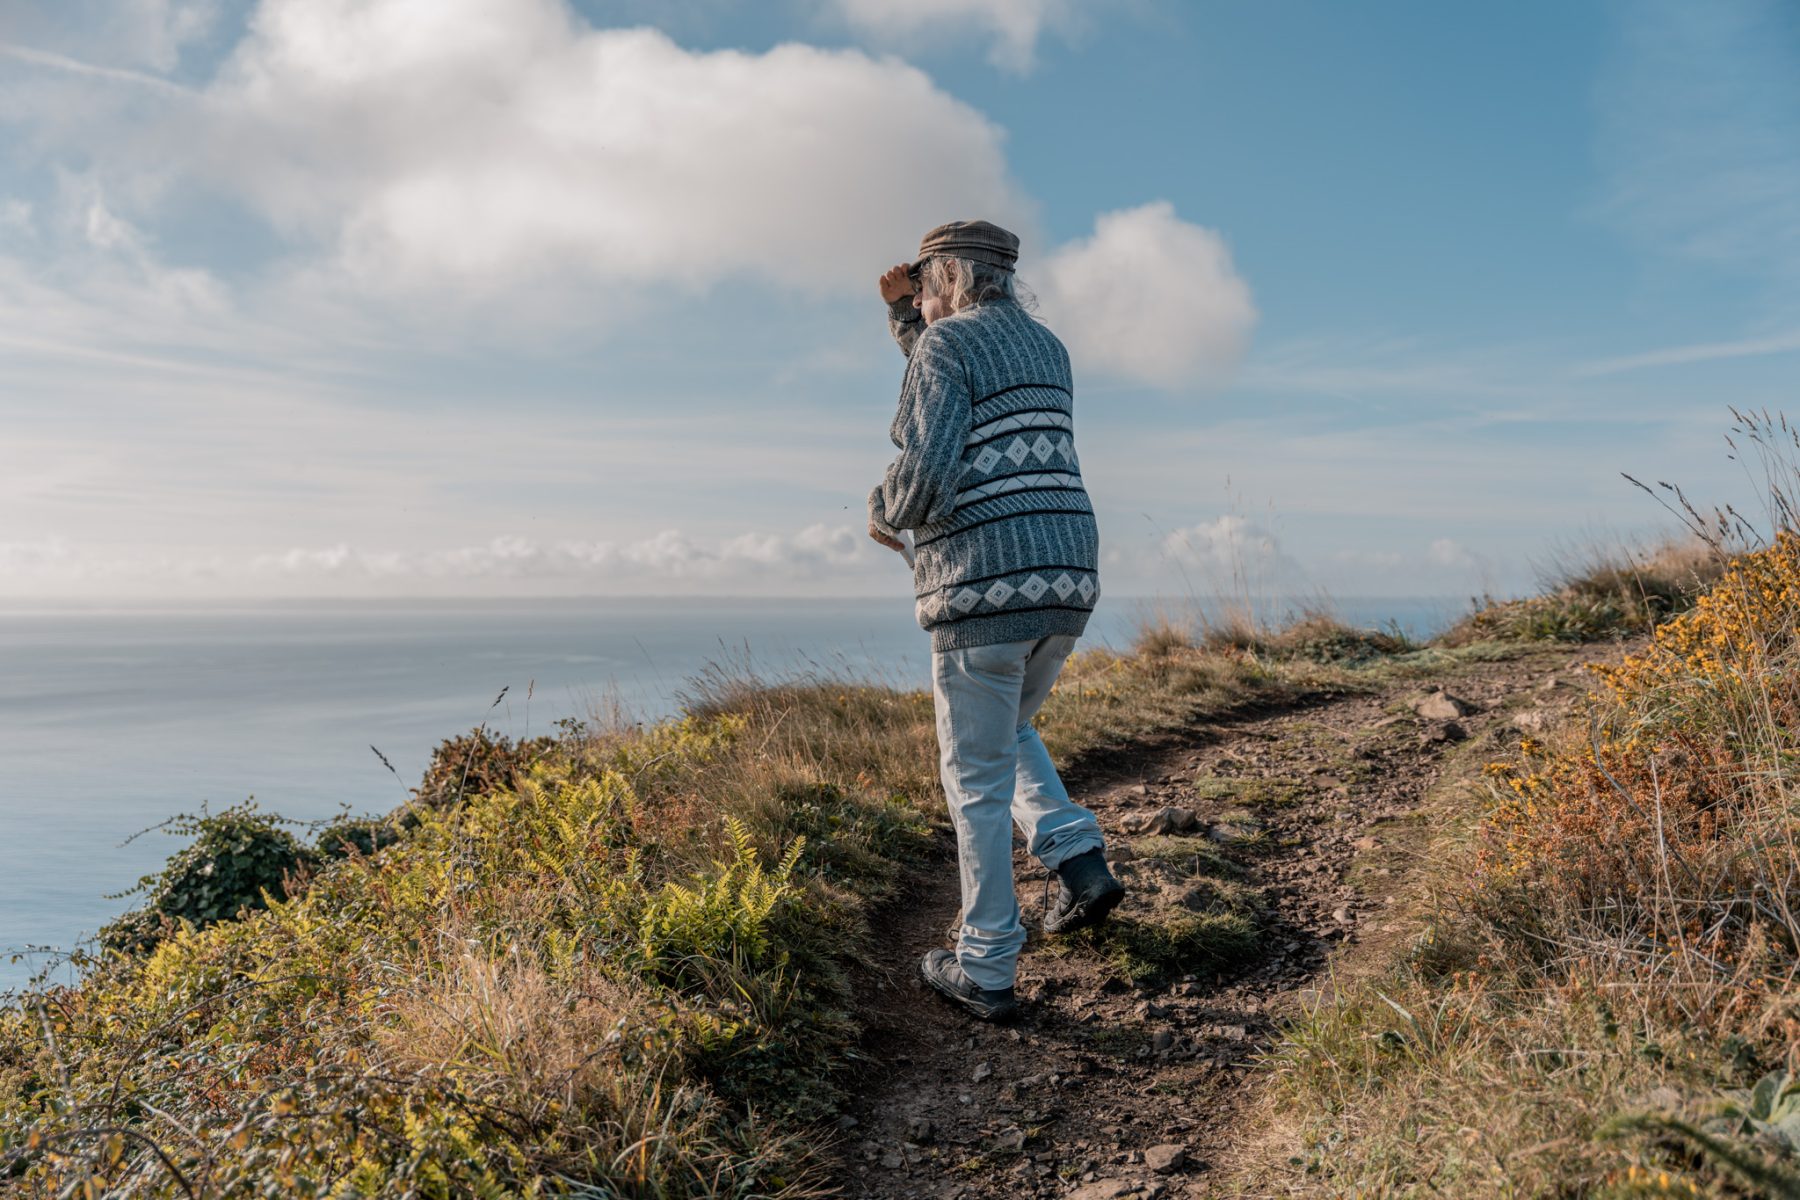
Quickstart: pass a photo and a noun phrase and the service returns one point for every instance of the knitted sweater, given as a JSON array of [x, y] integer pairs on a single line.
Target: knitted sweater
[[1006, 548]]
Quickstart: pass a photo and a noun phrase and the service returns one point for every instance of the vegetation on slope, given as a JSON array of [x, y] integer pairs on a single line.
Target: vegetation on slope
[[1605, 1002], [615, 965]]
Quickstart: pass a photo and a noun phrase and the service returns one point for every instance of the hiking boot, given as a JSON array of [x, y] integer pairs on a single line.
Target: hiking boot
[[1087, 894], [940, 969]]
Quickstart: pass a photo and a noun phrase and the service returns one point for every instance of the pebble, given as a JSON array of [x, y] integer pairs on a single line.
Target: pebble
[[982, 1071]]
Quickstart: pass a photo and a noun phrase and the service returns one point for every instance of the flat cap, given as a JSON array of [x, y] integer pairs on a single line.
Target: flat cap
[[978, 241]]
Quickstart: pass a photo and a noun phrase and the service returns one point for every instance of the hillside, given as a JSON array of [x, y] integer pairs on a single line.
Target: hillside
[[1374, 886]]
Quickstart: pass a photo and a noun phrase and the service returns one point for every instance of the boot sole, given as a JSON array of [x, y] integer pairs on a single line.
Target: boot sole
[[1088, 915]]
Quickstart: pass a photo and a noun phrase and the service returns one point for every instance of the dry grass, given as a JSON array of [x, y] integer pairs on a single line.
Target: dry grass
[[1594, 592], [1611, 952]]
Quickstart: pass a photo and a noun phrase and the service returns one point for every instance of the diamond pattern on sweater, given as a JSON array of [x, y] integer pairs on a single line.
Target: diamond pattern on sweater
[[985, 461], [1043, 448], [1017, 451], [1033, 587], [1086, 588], [1018, 483], [965, 600], [1063, 586], [1000, 593]]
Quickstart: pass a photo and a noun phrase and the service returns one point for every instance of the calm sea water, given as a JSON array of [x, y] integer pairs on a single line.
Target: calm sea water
[[111, 722]]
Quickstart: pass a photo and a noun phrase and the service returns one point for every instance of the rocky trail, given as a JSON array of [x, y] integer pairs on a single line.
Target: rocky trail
[[1108, 1088]]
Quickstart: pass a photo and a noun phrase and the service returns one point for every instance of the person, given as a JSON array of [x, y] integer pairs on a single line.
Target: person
[[1005, 555]]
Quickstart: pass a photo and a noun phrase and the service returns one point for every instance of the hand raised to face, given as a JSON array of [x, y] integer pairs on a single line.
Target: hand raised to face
[[896, 282]]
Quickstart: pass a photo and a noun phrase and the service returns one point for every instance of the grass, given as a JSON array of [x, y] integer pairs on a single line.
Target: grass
[[1596, 593], [613, 962], [1604, 998]]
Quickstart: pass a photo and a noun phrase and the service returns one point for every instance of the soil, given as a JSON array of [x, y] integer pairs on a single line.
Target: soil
[[1104, 1088]]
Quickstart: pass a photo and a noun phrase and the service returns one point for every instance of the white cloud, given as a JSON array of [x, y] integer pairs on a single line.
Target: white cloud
[[40, 554], [1447, 552], [667, 557], [1233, 553], [1015, 25], [1780, 343], [1149, 297], [481, 147], [120, 34], [16, 215]]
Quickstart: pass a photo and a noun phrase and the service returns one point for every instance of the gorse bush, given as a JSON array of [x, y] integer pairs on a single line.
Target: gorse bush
[[1669, 824]]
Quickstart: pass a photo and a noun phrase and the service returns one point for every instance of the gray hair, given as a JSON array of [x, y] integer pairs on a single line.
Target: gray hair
[[961, 282]]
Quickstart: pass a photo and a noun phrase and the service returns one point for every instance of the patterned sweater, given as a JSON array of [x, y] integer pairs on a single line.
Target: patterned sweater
[[1006, 548]]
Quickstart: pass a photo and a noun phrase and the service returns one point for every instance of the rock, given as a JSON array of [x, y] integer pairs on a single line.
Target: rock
[[1341, 914], [918, 1129], [1140, 789], [1103, 1189], [1441, 706], [1162, 821], [982, 1071], [1444, 731], [1234, 831], [1012, 1140], [891, 1161], [1165, 1158], [1162, 1042], [1534, 721], [1366, 843], [1121, 852]]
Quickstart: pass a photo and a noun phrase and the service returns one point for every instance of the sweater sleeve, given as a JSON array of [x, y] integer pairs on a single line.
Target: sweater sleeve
[[931, 429], [905, 323]]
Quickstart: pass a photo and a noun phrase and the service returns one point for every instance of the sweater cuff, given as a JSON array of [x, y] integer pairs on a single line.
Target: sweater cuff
[[902, 310], [878, 514]]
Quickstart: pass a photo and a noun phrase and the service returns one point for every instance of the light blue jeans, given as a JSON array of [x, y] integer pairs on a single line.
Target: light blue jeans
[[997, 772]]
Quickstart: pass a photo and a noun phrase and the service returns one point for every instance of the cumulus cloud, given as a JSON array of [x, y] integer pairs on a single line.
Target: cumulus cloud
[[1233, 552], [1448, 552], [474, 147], [1149, 297], [1014, 25]]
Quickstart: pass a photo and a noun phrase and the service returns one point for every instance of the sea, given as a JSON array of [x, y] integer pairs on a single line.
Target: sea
[[114, 720]]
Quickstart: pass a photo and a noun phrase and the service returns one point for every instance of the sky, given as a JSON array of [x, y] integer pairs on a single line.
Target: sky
[[577, 297]]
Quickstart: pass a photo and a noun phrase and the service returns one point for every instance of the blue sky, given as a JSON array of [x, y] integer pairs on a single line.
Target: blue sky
[[388, 297]]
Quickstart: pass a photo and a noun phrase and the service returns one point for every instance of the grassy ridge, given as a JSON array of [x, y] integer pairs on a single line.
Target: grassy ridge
[[1605, 1000], [623, 971]]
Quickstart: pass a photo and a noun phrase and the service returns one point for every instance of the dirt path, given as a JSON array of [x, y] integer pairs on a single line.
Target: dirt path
[[1105, 1089]]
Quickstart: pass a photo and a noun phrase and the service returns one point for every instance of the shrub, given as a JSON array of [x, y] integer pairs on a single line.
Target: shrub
[[478, 763], [1595, 596], [239, 858]]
